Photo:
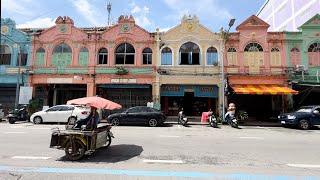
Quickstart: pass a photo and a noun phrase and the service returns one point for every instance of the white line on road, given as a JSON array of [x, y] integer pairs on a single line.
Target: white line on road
[[251, 138], [163, 161], [30, 157], [14, 132], [167, 136], [305, 165]]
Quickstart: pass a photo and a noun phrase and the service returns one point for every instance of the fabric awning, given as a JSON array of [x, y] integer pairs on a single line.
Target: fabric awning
[[262, 89]]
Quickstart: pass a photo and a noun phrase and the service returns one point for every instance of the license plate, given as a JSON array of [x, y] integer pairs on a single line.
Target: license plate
[[283, 122]]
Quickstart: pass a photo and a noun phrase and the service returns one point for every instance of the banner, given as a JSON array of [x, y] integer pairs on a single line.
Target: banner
[[25, 94]]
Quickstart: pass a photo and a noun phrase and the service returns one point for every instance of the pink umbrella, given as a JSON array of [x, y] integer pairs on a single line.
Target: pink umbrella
[[96, 102]]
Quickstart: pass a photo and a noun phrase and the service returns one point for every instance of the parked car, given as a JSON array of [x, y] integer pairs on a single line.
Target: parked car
[[138, 115], [61, 114], [1, 113], [304, 118]]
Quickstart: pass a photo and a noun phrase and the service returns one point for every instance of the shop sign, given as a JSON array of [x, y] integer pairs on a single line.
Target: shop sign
[[59, 80], [123, 80], [25, 94], [206, 91], [172, 90]]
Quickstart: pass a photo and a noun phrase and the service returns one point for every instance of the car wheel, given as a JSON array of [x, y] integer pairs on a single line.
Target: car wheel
[[304, 124], [153, 122], [37, 120], [115, 122], [74, 151], [108, 141]]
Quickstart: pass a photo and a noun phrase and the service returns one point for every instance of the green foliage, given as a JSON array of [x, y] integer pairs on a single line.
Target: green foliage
[[35, 105], [121, 70]]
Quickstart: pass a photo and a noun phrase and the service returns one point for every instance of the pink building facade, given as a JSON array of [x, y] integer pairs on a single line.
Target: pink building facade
[[115, 62], [256, 64]]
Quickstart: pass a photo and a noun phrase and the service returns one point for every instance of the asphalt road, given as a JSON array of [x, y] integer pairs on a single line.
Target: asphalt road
[[172, 152]]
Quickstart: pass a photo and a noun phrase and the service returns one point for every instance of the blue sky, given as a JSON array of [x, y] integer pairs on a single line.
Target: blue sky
[[149, 14]]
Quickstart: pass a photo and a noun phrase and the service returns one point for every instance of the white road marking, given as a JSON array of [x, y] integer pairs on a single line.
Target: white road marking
[[163, 161], [305, 165], [30, 157], [251, 138], [14, 132], [167, 136]]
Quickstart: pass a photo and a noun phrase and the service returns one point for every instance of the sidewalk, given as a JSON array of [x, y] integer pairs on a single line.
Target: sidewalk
[[196, 120]]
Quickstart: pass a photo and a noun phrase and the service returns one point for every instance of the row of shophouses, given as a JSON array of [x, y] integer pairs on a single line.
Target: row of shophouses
[[266, 72]]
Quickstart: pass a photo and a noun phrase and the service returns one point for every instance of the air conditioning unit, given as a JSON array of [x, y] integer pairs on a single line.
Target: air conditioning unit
[[300, 68]]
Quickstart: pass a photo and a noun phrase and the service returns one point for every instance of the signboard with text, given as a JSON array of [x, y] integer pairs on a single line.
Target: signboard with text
[[25, 94]]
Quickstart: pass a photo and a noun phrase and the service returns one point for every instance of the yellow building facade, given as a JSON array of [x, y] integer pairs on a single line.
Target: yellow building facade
[[188, 74]]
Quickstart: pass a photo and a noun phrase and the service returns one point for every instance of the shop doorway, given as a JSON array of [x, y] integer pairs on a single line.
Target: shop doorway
[[188, 103]]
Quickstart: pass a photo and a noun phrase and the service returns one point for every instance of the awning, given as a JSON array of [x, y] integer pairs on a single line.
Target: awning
[[262, 89]]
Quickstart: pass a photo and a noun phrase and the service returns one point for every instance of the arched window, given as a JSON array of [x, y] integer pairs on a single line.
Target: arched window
[[253, 57], [166, 56], [103, 56], [125, 54], [24, 57], [295, 56], [275, 57], [253, 47], [5, 55], [314, 54], [40, 54], [189, 54], [83, 57], [147, 56], [212, 56], [232, 56], [62, 55]]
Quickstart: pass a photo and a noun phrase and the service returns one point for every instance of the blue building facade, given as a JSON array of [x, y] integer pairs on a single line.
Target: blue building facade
[[14, 43]]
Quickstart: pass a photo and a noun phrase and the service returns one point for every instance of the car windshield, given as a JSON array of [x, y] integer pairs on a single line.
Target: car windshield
[[305, 109]]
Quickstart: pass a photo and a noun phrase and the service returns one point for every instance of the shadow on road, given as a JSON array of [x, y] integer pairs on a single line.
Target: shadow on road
[[112, 154]]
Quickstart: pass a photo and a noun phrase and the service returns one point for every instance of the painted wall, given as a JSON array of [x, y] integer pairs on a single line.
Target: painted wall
[[85, 65]]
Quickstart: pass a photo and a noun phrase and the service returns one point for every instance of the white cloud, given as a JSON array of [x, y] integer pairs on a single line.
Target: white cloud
[[18, 7], [206, 9], [86, 9], [141, 15], [38, 23]]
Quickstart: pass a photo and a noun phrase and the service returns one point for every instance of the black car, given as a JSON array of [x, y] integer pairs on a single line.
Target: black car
[[304, 118], [138, 115]]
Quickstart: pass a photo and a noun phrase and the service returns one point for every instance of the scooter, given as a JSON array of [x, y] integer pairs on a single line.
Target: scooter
[[231, 120], [213, 122], [182, 119], [18, 115]]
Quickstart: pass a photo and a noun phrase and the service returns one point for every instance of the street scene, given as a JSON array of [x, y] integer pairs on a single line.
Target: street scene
[[162, 89], [171, 152]]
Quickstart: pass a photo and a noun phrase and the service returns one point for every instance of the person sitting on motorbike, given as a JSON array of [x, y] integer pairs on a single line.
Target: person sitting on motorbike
[[231, 111], [91, 121]]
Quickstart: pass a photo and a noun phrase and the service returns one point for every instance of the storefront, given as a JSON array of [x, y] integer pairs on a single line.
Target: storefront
[[128, 95], [55, 94], [194, 99], [263, 101]]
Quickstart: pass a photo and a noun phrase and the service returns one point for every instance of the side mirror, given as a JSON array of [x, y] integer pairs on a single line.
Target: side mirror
[[316, 112]]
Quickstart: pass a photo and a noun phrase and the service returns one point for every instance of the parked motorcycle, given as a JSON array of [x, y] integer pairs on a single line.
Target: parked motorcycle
[[182, 119], [231, 120], [213, 122], [20, 114]]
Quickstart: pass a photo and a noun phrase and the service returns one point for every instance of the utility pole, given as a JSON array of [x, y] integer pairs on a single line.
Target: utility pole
[[18, 77], [109, 12], [224, 35]]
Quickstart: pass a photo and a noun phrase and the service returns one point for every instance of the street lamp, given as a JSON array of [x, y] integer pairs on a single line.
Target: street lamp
[[224, 35]]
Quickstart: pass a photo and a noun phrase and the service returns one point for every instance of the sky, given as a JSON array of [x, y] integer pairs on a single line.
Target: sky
[[149, 14]]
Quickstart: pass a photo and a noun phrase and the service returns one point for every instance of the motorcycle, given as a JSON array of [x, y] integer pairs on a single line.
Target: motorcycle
[[213, 122], [18, 115], [231, 120], [182, 119]]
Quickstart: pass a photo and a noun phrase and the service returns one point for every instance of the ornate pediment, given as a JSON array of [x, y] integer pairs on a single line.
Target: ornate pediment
[[253, 22], [313, 22]]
